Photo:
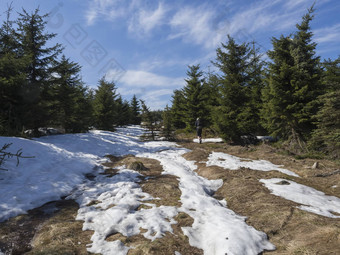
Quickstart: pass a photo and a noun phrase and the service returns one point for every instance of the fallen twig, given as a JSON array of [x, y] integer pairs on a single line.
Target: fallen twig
[[328, 174]]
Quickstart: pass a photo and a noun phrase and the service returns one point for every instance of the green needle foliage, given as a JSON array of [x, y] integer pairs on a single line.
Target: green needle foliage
[[233, 115], [38, 88], [105, 105], [326, 137], [293, 85]]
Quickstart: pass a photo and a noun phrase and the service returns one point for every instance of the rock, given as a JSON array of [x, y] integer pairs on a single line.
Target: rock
[[137, 165], [283, 182], [90, 176], [315, 165]]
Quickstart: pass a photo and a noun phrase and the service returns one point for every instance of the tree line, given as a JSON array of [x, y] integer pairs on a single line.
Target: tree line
[[41, 87], [293, 95]]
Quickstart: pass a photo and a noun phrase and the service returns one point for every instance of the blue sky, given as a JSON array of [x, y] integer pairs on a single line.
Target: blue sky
[[145, 46]]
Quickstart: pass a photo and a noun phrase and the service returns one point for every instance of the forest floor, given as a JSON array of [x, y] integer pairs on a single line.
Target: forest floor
[[53, 228]]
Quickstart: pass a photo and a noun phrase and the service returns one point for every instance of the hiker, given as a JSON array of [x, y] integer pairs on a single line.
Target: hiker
[[198, 125]]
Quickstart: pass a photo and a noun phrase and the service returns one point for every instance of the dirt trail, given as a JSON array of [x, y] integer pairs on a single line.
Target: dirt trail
[[52, 228]]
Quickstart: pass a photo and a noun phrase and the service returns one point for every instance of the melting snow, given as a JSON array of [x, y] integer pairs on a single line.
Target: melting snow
[[216, 229], [114, 212], [59, 165], [209, 140], [59, 169], [234, 163], [311, 199]]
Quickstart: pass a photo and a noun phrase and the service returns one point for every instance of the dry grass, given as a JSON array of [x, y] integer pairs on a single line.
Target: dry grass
[[165, 189], [61, 234], [167, 245], [49, 229], [291, 230]]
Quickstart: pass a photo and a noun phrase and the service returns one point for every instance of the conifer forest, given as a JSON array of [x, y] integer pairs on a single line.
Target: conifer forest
[[289, 92]]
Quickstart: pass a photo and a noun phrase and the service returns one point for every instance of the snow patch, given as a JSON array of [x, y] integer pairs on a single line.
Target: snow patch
[[59, 165], [52, 173], [311, 199], [108, 205], [234, 163], [115, 211], [216, 229], [209, 140]]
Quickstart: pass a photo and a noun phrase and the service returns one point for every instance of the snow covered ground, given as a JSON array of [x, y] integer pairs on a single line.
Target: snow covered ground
[[59, 166], [234, 163], [311, 200], [216, 229], [209, 140]]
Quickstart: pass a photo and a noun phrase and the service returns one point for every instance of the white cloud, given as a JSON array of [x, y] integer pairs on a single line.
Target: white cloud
[[155, 98], [107, 9], [155, 89], [327, 34], [208, 25], [292, 4], [135, 78], [195, 25], [264, 16], [138, 17], [145, 20], [157, 63], [204, 24]]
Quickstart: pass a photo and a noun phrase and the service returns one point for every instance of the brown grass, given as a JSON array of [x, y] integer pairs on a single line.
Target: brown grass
[[167, 245], [290, 229], [164, 188], [62, 234], [49, 229]]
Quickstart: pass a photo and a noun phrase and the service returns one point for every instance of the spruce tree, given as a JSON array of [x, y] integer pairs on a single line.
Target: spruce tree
[[232, 116], [256, 84], [104, 105], [177, 109], [12, 78], [195, 97], [331, 75], [167, 128], [148, 122], [83, 112], [68, 96], [124, 112], [326, 137], [135, 111], [127, 112], [278, 94], [306, 76], [33, 40], [293, 85]]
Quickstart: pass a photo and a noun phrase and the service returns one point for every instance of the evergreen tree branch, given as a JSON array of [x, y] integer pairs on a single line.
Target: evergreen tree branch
[[5, 155]]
